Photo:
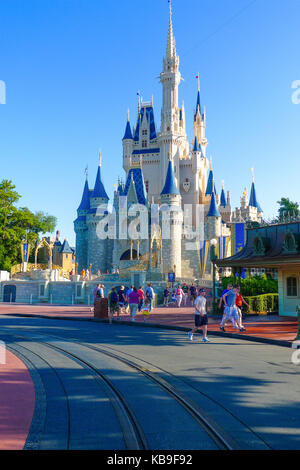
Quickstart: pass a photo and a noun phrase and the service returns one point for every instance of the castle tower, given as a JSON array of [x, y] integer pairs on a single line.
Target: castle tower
[[81, 229], [99, 254], [171, 205], [213, 219], [127, 145], [225, 207], [172, 128]]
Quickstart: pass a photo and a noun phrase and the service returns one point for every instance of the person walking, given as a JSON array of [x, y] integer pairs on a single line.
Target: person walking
[[230, 310], [185, 291], [201, 319], [150, 295], [193, 293], [122, 299], [221, 303], [179, 295], [239, 303], [166, 297], [141, 298], [133, 303], [113, 304]]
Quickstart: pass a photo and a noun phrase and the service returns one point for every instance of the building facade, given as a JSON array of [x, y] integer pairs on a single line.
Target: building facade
[[162, 170]]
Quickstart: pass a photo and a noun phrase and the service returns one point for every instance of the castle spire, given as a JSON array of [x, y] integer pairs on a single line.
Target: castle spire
[[99, 190], [170, 186], [171, 50], [223, 201], [253, 200], [213, 209]]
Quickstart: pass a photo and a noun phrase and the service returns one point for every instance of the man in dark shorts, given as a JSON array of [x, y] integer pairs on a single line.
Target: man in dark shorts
[[201, 319]]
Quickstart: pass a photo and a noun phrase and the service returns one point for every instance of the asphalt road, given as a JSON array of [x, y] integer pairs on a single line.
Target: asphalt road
[[249, 390]]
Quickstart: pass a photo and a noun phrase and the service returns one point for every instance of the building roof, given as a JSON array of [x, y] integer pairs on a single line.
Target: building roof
[[271, 245], [85, 201], [213, 209], [253, 201], [99, 190], [170, 186], [210, 184], [66, 247], [136, 175], [150, 118], [128, 132], [223, 200], [198, 105], [197, 146]]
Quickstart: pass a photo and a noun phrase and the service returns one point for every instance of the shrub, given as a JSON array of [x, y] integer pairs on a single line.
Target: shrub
[[262, 303], [255, 285]]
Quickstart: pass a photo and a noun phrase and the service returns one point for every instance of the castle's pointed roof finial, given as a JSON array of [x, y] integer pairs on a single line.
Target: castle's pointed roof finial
[[252, 171], [171, 42], [128, 115], [210, 164], [100, 157]]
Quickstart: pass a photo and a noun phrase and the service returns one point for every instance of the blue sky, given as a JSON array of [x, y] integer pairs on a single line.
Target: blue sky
[[73, 67]]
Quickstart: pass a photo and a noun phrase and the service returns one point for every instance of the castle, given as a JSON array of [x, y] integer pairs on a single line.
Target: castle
[[163, 171]]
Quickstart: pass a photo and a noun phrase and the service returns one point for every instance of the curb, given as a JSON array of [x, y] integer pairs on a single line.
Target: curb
[[255, 339]]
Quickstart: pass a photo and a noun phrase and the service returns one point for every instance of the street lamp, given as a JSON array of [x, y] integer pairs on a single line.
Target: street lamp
[[213, 257]]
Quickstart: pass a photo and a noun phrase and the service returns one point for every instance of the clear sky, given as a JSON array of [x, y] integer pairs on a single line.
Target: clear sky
[[73, 67]]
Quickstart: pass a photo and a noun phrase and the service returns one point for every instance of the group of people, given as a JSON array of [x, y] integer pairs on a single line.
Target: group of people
[[131, 301], [232, 302], [137, 300], [181, 295]]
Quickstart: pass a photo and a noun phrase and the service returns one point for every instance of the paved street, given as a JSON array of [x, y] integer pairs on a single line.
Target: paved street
[[247, 391]]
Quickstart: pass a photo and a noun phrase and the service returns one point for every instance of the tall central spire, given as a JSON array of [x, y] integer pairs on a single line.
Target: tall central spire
[[171, 50]]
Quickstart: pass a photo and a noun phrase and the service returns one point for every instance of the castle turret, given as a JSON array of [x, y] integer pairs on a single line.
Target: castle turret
[[127, 145], [81, 229], [213, 218], [99, 254], [171, 207]]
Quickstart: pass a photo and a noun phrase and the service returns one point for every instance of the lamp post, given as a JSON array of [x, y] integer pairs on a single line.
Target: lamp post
[[213, 258]]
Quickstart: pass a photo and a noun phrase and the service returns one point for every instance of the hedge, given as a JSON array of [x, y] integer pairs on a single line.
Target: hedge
[[262, 303]]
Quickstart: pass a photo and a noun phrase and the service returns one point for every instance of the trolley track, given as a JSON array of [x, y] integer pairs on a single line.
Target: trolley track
[[133, 434]]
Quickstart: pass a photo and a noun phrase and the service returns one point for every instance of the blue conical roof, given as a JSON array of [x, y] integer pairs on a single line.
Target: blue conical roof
[[66, 247], [197, 147], [210, 184], [213, 210], [85, 201], [99, 190], [253, 201], [223, 198], [170, 186], [198, 105], [128, 132]]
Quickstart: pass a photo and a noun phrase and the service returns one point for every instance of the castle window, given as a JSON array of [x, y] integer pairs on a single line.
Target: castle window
[[78, 291], [147, 186], [144, 143], [144, 132], [291, 286]]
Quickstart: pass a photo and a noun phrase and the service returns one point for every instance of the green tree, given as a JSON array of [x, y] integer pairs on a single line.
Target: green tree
[[287, 208], [17, 224]]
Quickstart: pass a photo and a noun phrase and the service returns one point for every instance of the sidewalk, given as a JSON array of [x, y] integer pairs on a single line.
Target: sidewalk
[[17, 401], [262, 327]]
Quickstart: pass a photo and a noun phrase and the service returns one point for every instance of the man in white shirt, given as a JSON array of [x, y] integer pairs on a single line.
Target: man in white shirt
[[201, 319]]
